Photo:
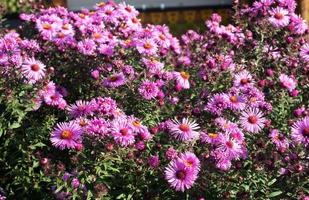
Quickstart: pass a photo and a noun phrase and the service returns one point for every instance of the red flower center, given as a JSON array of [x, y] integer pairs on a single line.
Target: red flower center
[[134, 20], [234, 99], [184, 127], [108, 12], [47, 26], [181, 174], [65, 27], [229, 144], [252, 119], [279, 15], [97, 35], [184, 75], [244, 81], [129, 9], [124, 131], [306, 132], [147, 45], [66, 134], [35, 67], [113, 78]]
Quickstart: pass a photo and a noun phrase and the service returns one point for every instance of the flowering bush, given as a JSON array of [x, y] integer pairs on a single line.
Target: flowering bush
[[94, 105]]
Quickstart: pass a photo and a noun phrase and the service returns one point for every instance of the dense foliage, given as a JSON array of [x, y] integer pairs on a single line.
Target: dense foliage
[[94, 105]]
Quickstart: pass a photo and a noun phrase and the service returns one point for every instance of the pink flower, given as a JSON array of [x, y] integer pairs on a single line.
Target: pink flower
[[66, 135], [304, 52], [33, 70], [147, 46], [252, 120], [287, 82], [122, 132], [148, 90], [182, 78], [279, 17], [184, 130], [300, 131]]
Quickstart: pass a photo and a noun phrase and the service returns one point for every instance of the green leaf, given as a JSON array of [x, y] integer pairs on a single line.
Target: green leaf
[[272, 182], [274, 194]]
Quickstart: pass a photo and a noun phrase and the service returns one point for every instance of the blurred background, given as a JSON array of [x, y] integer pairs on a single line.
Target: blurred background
[[179, 15]]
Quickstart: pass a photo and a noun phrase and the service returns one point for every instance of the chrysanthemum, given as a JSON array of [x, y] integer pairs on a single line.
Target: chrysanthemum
[[67, 135], [182, 78], [235, 101], [122, 132], [279, 17], [243, 79], [279, 140], [147, 46], [304, 52], [229, 147], [287, 82], [300, 131], [79, 108], [179, 176], [114, 80], [190, 160], [184, 130], [148, 90], [216, 104], [97, 127], [252, 120], [33, 70]]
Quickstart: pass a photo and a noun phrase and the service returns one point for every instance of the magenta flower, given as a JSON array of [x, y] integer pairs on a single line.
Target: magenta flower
[[86, 47], [147, 46], [67, 135], [154, 161], [148, 90], [182, 78], [216, 104], [279, 17], [279, 140], [179, 176], [114, 80], [287, 82], [300, 131], [184, 130], [229, 147], [33, 70], [79, 108], [243, 79], [190, 160], [122, 132], [304, 52], [97, 127], [252, 120]]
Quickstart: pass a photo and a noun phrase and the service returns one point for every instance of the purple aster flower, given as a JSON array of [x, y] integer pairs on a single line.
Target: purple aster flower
[[154, 161], [66, 135], [279, 17], [182, 79], [33, 70], [279, 140], [148, 90], [122, 132], [179, 176], [287, 82], [209, 138], [106, 106], [79, 108], [300, 131], [114, 80], [304, 52], [86, 47], [298, 24], [235, 101], [190, 160], [216, 104], [147, 46], [97, 127], [243, 79], [252, 120], [184, 130], [229, 147], [170, 153]]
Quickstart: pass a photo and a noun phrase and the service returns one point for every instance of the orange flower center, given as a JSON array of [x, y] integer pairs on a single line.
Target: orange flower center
[[162, 37], [252, 119], [136, 123], [184, 127], [188, 163], [234, 99], [66, 27], [147, 45], [82, 123], [97, 35], [47, 26], [213, 135], [279, 15], [81, 15], [244, 81], [101, 4], [184, 75], [60, 35], [66, 134], [113, 78], [35, 67]]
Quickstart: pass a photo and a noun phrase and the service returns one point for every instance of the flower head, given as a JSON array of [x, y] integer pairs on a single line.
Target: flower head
[[279, 17], [252, 120], [66, 135], [148, 90], [33, 70], [184, 130], [300, 131]]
